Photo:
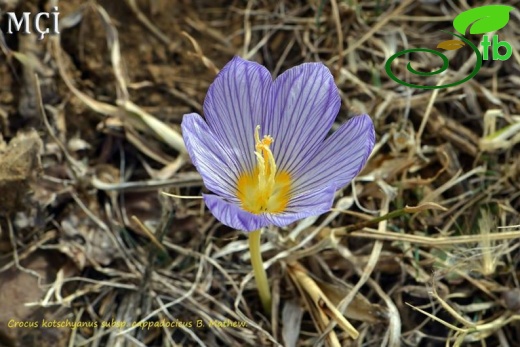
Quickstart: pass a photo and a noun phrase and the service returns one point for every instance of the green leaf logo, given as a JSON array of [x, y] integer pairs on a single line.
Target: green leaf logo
[[484, 19]]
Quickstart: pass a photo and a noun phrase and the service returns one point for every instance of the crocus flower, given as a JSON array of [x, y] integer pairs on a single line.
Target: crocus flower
[[263, 148]]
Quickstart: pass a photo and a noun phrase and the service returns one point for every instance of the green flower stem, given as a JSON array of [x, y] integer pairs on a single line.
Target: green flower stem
[[259, 271]]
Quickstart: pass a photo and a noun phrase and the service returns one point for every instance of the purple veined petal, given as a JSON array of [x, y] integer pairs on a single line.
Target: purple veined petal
[[340, 158], [232, 215], [304, 101], [235, 104], [305, 205], [219, 168]]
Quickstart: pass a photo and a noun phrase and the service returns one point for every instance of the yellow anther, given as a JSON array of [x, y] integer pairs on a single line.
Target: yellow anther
[[266, 141], [264, 189], [266, 163]]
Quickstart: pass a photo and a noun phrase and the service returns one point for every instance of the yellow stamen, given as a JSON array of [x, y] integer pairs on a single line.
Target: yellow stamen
[[266, 189]]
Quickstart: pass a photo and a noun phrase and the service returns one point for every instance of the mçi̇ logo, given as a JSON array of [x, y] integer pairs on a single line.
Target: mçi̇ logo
[[50, 23]]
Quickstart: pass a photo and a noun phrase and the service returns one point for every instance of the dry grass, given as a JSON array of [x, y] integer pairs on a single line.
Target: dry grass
[[420, 250]]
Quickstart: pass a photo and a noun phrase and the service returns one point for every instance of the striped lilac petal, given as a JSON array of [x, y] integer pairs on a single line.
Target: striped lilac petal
[[206, 154], [232, 215], [297, 110], [234, 106], [303, 206], [340, 158], [305, 101]]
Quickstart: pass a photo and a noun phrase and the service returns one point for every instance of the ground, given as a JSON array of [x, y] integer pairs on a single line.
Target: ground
[[420, 250]]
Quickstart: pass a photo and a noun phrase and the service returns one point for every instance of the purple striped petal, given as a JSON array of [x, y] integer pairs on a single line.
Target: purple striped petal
[[232, 215], [235, 105], [217, 166], [340, 158], [303, 206], [305, 101], [297, 110]]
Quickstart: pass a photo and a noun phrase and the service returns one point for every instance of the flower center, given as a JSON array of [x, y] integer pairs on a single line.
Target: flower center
[[265, 189]]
